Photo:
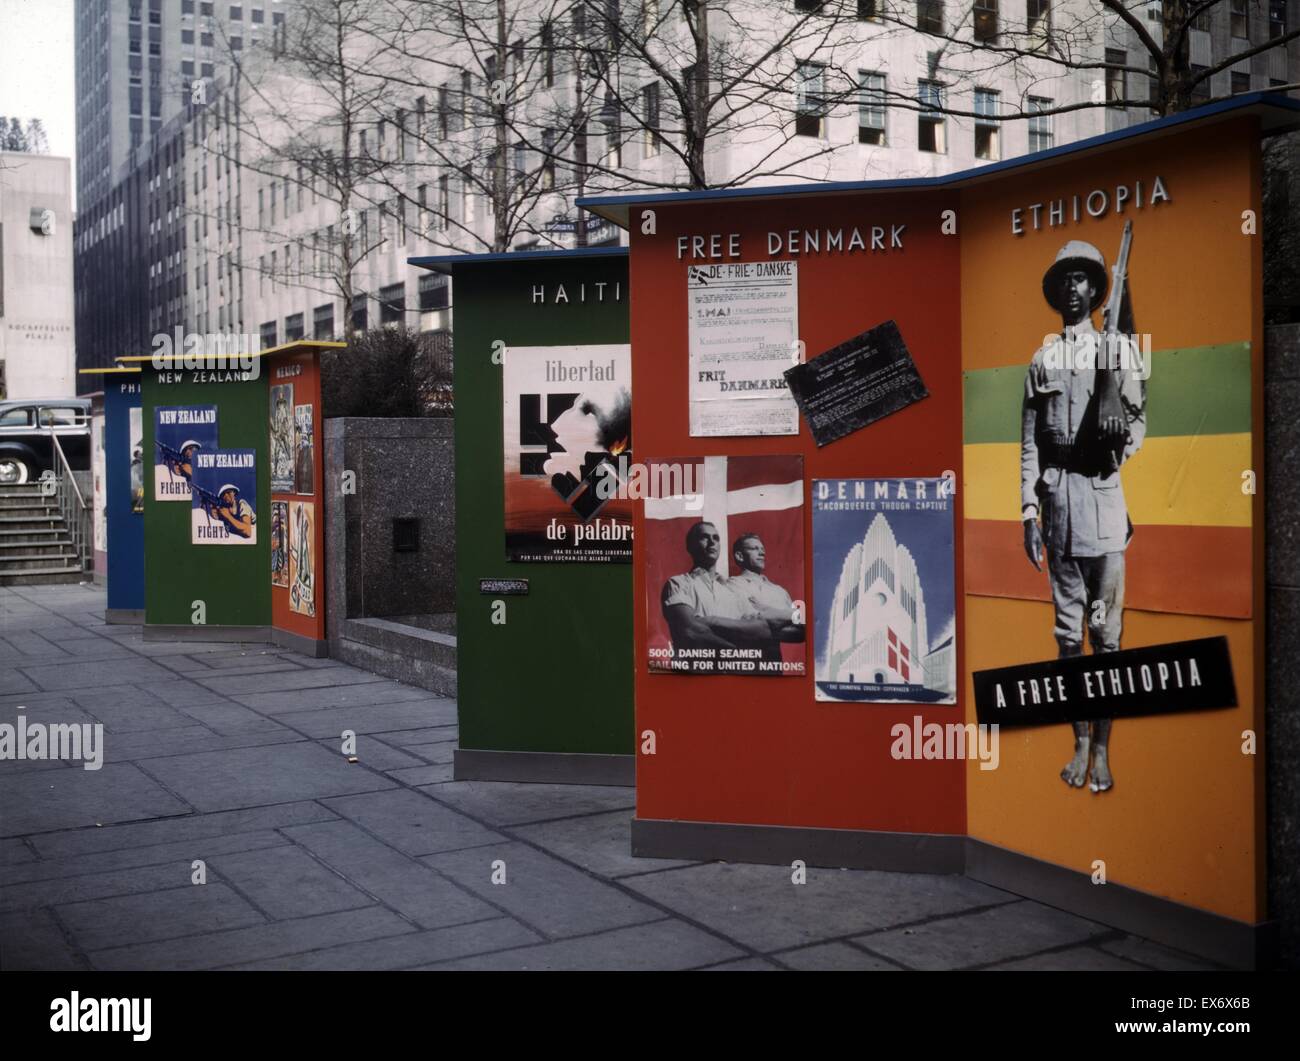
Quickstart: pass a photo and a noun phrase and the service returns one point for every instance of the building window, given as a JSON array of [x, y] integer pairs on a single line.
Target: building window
[[293, 327], [810, 99], [1240, 82], [1276, 19], [1040, 124], [444, 203], [987, 129], [323, 321], [1201, 89], [548, 54], [434, 292], [809, 6], [268, 331], [929, 16], [1239, 19], [1038, 19], [1116, 78], [360, 313], [650, 118], [392, 304], [930, 126], [871, 108], [986, 21], [868, 10], [1200, 22]]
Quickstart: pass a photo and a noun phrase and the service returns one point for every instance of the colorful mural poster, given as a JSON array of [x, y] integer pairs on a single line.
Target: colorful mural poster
[[884, 590], [568, 449], [99, 482], [724, 565], [179, 433], [224, 498], [136, 440], [280, 544], [282, 440], [304, 450], [302, 557]]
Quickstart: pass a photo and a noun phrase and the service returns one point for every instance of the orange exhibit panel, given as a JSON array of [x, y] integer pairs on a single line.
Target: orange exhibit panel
[[1159, 544]]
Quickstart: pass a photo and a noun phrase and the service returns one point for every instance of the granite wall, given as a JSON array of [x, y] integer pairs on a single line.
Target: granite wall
[[403, 468], [1281, 485]]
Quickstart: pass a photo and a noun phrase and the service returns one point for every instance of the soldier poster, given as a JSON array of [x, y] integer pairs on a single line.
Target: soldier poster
[[135, 437], [883, 590], [724, 566], [282, 442], [743, 334], [180, 432], [302, 557], [856, 383], [304, 450], [280, 544], [224, 498], [568, 447]]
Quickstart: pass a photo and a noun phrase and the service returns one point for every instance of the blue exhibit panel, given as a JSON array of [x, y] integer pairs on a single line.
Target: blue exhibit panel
[[122, 464]]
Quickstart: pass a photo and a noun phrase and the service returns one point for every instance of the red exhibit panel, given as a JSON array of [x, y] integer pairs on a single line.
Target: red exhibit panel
[[296, 515], [761, 748]]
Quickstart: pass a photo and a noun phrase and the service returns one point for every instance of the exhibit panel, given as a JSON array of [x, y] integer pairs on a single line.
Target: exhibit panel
[[98, 490], [123, 478], [206, 491], [773, 746], [1157, 544], [297, 517], [543, 542]]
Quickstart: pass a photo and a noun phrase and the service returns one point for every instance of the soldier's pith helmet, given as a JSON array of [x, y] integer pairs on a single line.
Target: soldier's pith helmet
[[228, 486], [190, 442], [1081, 257]]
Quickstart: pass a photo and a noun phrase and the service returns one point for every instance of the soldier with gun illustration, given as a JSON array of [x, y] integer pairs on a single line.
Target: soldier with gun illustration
[[1083, 416], [229, 508], [179, 461]]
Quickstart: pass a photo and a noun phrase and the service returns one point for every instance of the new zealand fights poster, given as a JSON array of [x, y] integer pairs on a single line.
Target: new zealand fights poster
[[724, 566], [568, 444]]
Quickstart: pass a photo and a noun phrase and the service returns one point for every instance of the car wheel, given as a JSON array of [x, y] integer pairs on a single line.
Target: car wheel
[[14, 471]]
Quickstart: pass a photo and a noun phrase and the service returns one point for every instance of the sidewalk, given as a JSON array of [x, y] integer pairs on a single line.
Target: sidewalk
[[230, 754]]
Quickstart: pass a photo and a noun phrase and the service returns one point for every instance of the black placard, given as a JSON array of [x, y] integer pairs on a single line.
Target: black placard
[[1152, 680], [504, 587], [856, 383]]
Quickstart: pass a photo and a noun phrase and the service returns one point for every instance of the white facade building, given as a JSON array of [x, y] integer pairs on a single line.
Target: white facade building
[[37, 348]]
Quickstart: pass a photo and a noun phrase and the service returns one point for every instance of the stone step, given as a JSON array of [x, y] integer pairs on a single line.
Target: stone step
[[34, 535], [26, 511], [36, 563], [11, 550], [61, 576]]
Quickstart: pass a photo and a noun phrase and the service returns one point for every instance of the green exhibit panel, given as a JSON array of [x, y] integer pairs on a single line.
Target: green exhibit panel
[[206, 488], [543, 539], [943, 543]]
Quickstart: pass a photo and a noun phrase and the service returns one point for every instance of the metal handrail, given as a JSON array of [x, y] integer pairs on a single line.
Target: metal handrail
[[76, 518], [63, 459]]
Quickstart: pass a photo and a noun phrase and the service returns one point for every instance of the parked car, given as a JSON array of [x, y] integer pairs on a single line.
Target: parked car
[[27, 426]]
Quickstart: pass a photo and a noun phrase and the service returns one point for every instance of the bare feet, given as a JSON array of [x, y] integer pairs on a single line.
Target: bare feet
[[1076, 770], [1101, 779]]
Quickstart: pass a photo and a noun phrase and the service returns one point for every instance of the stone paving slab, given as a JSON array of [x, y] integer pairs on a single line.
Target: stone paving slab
[[507, 803], [542, 892], [269, 773], [398, 881], [183, 911], [759, 906], [409, 950], [381, 691], [434, 774], [1155, 956], [47, 800], [31, 940], [286, 882], [372, 752], [179, 830], [368, 717], [599, 843], [299, 678], [143, 746], [835, 957], [1012, 930], [217, 949], [134, 881], [1080, 958], [412, 823], [666, 944], [71, 674]]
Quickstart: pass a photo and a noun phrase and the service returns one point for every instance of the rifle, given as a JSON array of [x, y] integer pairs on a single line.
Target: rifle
[[1106, 390], [207, 499], [169, 455]]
